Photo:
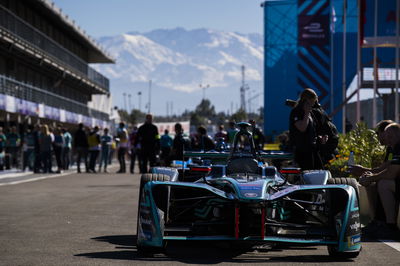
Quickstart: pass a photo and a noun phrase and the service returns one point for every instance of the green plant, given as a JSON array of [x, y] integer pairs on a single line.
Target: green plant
[[366, 147]]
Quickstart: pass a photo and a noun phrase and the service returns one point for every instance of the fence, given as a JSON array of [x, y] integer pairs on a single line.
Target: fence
[[9, 86]]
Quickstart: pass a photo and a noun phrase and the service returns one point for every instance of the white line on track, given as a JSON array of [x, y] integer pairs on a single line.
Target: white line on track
[[36, 179], [15, 174], [391, 243]]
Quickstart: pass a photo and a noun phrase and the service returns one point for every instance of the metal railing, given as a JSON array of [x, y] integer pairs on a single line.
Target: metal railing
[[9, 86], [35, 38]]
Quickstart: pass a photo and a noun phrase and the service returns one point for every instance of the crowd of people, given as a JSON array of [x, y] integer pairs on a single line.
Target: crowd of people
[[45, 149], [313, 139], [150, 149]]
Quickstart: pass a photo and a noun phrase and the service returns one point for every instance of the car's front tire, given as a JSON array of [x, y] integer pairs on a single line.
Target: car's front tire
[[333, 252], [145, 178]]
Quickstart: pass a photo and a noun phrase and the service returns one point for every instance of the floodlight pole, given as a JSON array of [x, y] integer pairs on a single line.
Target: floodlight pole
[[376, 70], [396, 107], [344, 66], [149, 97], [359, 76]]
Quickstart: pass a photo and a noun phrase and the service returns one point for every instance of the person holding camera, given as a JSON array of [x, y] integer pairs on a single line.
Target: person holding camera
[[303, 130]]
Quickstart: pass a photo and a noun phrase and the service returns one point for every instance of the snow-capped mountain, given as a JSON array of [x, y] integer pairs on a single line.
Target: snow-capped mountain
[[177, 61]]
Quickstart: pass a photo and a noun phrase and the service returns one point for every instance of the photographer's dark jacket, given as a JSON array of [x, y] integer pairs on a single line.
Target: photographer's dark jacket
[[302, 141]]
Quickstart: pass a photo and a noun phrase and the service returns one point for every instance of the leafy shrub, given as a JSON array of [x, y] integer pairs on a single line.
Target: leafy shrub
[[366, 147]]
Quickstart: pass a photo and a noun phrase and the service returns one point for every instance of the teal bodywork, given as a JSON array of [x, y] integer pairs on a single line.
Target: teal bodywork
[[253, 191]]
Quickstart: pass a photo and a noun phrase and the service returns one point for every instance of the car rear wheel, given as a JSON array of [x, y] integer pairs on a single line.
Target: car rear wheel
[[345, 181]]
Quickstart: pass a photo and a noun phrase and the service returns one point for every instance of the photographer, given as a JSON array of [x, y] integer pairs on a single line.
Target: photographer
[[309, 132]]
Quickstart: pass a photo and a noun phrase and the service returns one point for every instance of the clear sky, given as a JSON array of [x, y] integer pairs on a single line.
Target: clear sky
[[111, 17]]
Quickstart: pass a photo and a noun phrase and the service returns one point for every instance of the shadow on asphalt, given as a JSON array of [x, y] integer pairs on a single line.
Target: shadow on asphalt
[[116, 186], [216, 252]]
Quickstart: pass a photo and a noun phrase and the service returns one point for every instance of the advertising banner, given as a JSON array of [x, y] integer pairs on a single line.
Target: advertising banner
[[48, 112], [62, 115], [55, 113], [22, 106], [313, 30], [41, 110], [32, 108], [2, 102], [11, 105], [71, 117]]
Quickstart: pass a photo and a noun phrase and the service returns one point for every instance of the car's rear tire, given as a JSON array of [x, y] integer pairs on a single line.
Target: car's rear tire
[[345, 181], [152, 177], [145, 178], [332, 250]]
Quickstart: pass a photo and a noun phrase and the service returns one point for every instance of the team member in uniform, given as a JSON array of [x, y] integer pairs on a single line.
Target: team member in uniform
[[388, 182], [149, 140]]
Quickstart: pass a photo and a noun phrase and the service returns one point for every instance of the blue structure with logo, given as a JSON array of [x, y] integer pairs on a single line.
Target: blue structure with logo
[[303, 44], [303, 48]]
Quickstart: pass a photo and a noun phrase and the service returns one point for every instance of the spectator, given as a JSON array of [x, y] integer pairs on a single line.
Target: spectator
[[149, 140], [221, 134], [94, 148], [166, 145], [58, 147], [180, 143], [388, 183], [28, 149], [67, 148], [232, 130], [113, 148], [37, 166], [13, 146], [3, 140], [81, 146], [303, 132], [258, 136], [134, 148], [46, 144], [122, 135], [204, 141], [106, 141]]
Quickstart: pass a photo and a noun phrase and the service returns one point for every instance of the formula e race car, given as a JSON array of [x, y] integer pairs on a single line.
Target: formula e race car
[[247, 200]]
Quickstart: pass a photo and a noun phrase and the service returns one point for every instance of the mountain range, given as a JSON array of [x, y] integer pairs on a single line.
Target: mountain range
[[177, 61]]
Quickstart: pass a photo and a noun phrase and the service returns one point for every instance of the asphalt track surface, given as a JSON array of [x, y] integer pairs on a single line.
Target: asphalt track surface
[[90, 219]]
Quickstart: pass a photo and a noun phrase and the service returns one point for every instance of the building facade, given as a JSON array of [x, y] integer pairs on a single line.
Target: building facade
[[44, 67]]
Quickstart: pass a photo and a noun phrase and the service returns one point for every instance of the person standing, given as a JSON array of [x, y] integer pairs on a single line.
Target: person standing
[[3, 140], [166, 145], [221, 134], [149, 140], [204, 141], [94, 148], [231, 132], [106, 141], [258, 136], [67, 148], [28, 147], [134, 148], [303, 132], [46, 145], [81, 145], [180, 143], [13, 146], [58, 147], [37, 165], [122, 135]]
